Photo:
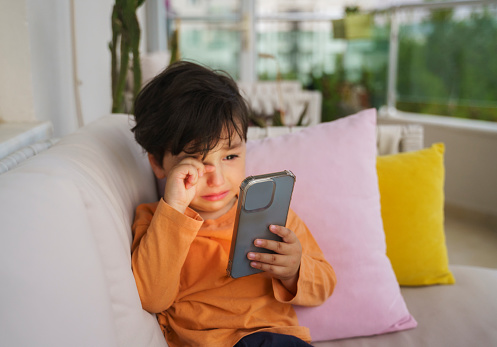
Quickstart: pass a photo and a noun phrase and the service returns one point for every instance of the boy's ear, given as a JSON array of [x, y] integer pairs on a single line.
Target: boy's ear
[[156, 167]]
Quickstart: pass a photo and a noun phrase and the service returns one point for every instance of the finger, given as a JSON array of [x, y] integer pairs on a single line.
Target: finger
[[276, 246], [274, 270], [205, 168], [191, 179], [286, 234], [201, 170], [200, 167], [189, 170], [209, 168], [268, 258], [190, 175]]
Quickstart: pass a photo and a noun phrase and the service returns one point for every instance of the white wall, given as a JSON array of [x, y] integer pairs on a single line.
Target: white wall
[[50, 40], [471, 167], [16, 94], [36, 61]]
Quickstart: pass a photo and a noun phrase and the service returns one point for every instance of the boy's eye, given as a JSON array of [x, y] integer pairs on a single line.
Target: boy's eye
[[231, 157]]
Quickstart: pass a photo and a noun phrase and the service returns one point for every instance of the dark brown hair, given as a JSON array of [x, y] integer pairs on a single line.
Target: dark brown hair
[[189, 108]]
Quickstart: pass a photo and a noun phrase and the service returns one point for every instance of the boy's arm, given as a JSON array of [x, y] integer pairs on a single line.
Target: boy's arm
[[317, 278], [160, 246]]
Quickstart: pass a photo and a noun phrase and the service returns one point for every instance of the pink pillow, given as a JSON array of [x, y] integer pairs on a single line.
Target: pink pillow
[[336, 194]]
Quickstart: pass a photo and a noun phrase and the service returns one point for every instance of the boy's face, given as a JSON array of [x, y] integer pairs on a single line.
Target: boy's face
[[216, 191]]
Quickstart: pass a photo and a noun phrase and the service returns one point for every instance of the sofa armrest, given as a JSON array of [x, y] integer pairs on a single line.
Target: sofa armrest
[[395, 138]]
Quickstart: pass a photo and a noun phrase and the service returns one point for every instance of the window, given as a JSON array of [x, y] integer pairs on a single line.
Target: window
[[444, 62], [209, 32], [441, 61]]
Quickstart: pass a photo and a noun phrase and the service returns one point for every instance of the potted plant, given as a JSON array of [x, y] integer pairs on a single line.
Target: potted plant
[[125, 40]]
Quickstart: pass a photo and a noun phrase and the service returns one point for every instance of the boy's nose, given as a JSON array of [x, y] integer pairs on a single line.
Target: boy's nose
[[215, 178]]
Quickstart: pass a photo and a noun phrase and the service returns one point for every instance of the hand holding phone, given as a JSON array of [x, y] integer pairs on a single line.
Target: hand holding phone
[[284, 264], [264, 200]]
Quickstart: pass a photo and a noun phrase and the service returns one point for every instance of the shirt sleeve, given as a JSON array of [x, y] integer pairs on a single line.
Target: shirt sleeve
[[317, 278], [160, 246]]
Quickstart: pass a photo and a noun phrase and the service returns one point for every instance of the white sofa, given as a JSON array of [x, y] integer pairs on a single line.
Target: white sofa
[[65, 271]]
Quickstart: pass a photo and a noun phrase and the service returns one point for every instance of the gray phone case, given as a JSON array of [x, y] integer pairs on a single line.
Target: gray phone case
[[263, 200]]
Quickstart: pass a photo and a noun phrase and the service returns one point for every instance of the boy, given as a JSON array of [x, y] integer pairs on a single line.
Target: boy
[[193, 124]]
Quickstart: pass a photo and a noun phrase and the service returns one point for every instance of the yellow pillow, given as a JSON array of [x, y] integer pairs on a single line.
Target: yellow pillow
[[412, 207]]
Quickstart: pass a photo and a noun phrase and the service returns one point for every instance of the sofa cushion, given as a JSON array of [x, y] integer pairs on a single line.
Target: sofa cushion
[[412, 208], [109, 176], [336, 194]]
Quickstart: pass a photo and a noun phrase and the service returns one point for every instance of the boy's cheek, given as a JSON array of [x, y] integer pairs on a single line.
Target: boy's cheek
[[241, 173], [239, 181]]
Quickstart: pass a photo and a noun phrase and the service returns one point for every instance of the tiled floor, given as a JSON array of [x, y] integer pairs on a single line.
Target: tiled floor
[[470, 241]]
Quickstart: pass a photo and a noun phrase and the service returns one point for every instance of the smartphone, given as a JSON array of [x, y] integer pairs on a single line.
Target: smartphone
[[263, 200]]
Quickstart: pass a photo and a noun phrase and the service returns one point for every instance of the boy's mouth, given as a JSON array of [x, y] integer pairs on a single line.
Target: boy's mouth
[[216, 196]]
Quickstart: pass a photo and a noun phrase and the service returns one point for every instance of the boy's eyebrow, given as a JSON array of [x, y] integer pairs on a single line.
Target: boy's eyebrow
[[233, 145], [184, 155]]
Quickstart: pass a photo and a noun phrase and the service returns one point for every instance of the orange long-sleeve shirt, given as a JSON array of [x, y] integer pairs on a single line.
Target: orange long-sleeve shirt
[[179, 262]]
